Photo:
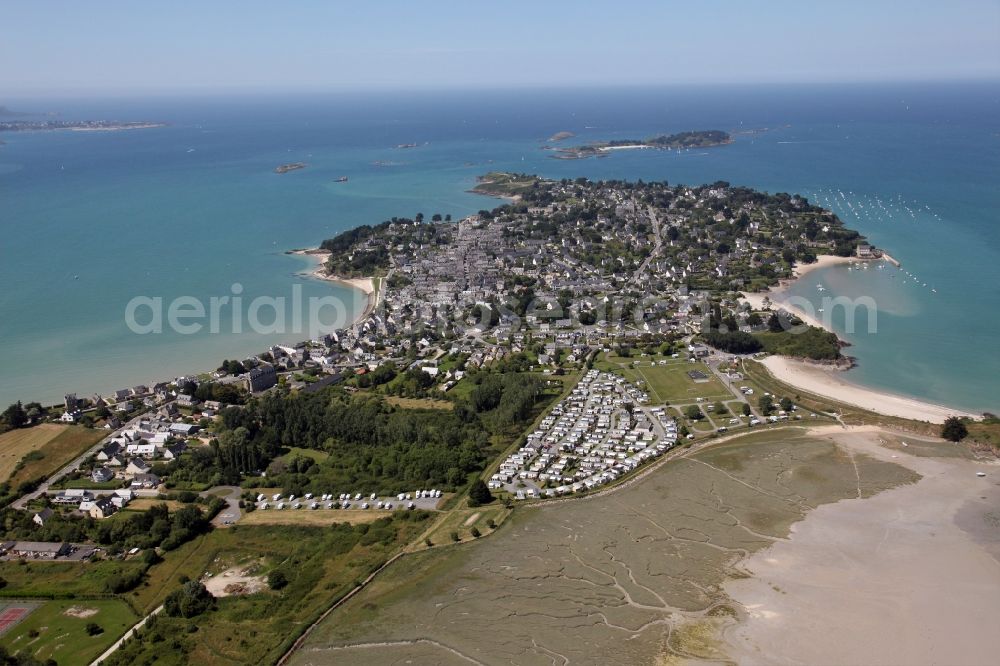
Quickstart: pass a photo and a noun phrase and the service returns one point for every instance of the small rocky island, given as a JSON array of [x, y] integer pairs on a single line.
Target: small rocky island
[[561, 136], [678, 141], [293, 166]]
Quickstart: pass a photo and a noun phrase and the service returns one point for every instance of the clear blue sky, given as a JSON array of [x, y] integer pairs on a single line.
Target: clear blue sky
[[117, 46]]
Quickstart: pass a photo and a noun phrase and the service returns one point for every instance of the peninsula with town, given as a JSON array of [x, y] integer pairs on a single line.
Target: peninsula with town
[[556, 350]]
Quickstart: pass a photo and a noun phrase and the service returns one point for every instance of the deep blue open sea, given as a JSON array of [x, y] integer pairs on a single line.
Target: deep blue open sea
[[90, 220]]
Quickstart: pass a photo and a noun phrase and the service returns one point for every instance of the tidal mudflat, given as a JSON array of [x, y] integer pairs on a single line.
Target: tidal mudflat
[[905, 577], [632, 576]]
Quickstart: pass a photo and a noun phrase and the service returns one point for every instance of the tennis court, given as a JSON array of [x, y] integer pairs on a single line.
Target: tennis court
[[12, 612]]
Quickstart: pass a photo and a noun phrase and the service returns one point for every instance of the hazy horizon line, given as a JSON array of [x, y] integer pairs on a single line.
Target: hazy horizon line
[[219, 91]]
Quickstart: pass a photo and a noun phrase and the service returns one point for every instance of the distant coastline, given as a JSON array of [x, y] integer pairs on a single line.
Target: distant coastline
[[75, 125]]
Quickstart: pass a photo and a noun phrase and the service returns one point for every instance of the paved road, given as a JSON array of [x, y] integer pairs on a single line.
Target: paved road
[[128, 634], [657, 245], [22, 502], [232, 512]]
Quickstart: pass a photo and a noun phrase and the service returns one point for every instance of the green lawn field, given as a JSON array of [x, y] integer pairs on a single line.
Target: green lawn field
[[57, 630]]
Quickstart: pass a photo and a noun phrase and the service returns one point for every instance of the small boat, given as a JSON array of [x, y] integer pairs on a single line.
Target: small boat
[[980, 474], [342, 179]]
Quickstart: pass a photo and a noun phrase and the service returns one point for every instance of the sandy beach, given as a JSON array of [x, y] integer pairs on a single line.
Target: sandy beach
[[777, 296], [823, 261], [364, 285], [906, 576], [827, 381]]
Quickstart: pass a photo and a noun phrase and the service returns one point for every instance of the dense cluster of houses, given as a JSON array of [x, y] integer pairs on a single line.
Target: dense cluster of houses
[[577, 247], [599, 432], [131, 452], [128, 457], [89, 502]]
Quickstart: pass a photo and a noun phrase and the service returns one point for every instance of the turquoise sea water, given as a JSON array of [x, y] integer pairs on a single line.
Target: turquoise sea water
[[91, 220]]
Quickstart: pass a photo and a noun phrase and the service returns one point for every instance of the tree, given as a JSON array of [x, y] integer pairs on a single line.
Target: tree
[[93, 629], [954, 429], [746, 409], [15, 416], [774, 323], [455, 537], [277, 579], [765, 404], [479, 493], [734, 342], [786, 404], [475, 532], [693, 412], [191, 600]]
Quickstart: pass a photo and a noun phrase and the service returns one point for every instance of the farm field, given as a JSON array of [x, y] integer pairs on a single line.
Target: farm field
[[14, 444], [57, 630], [56, 445]]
